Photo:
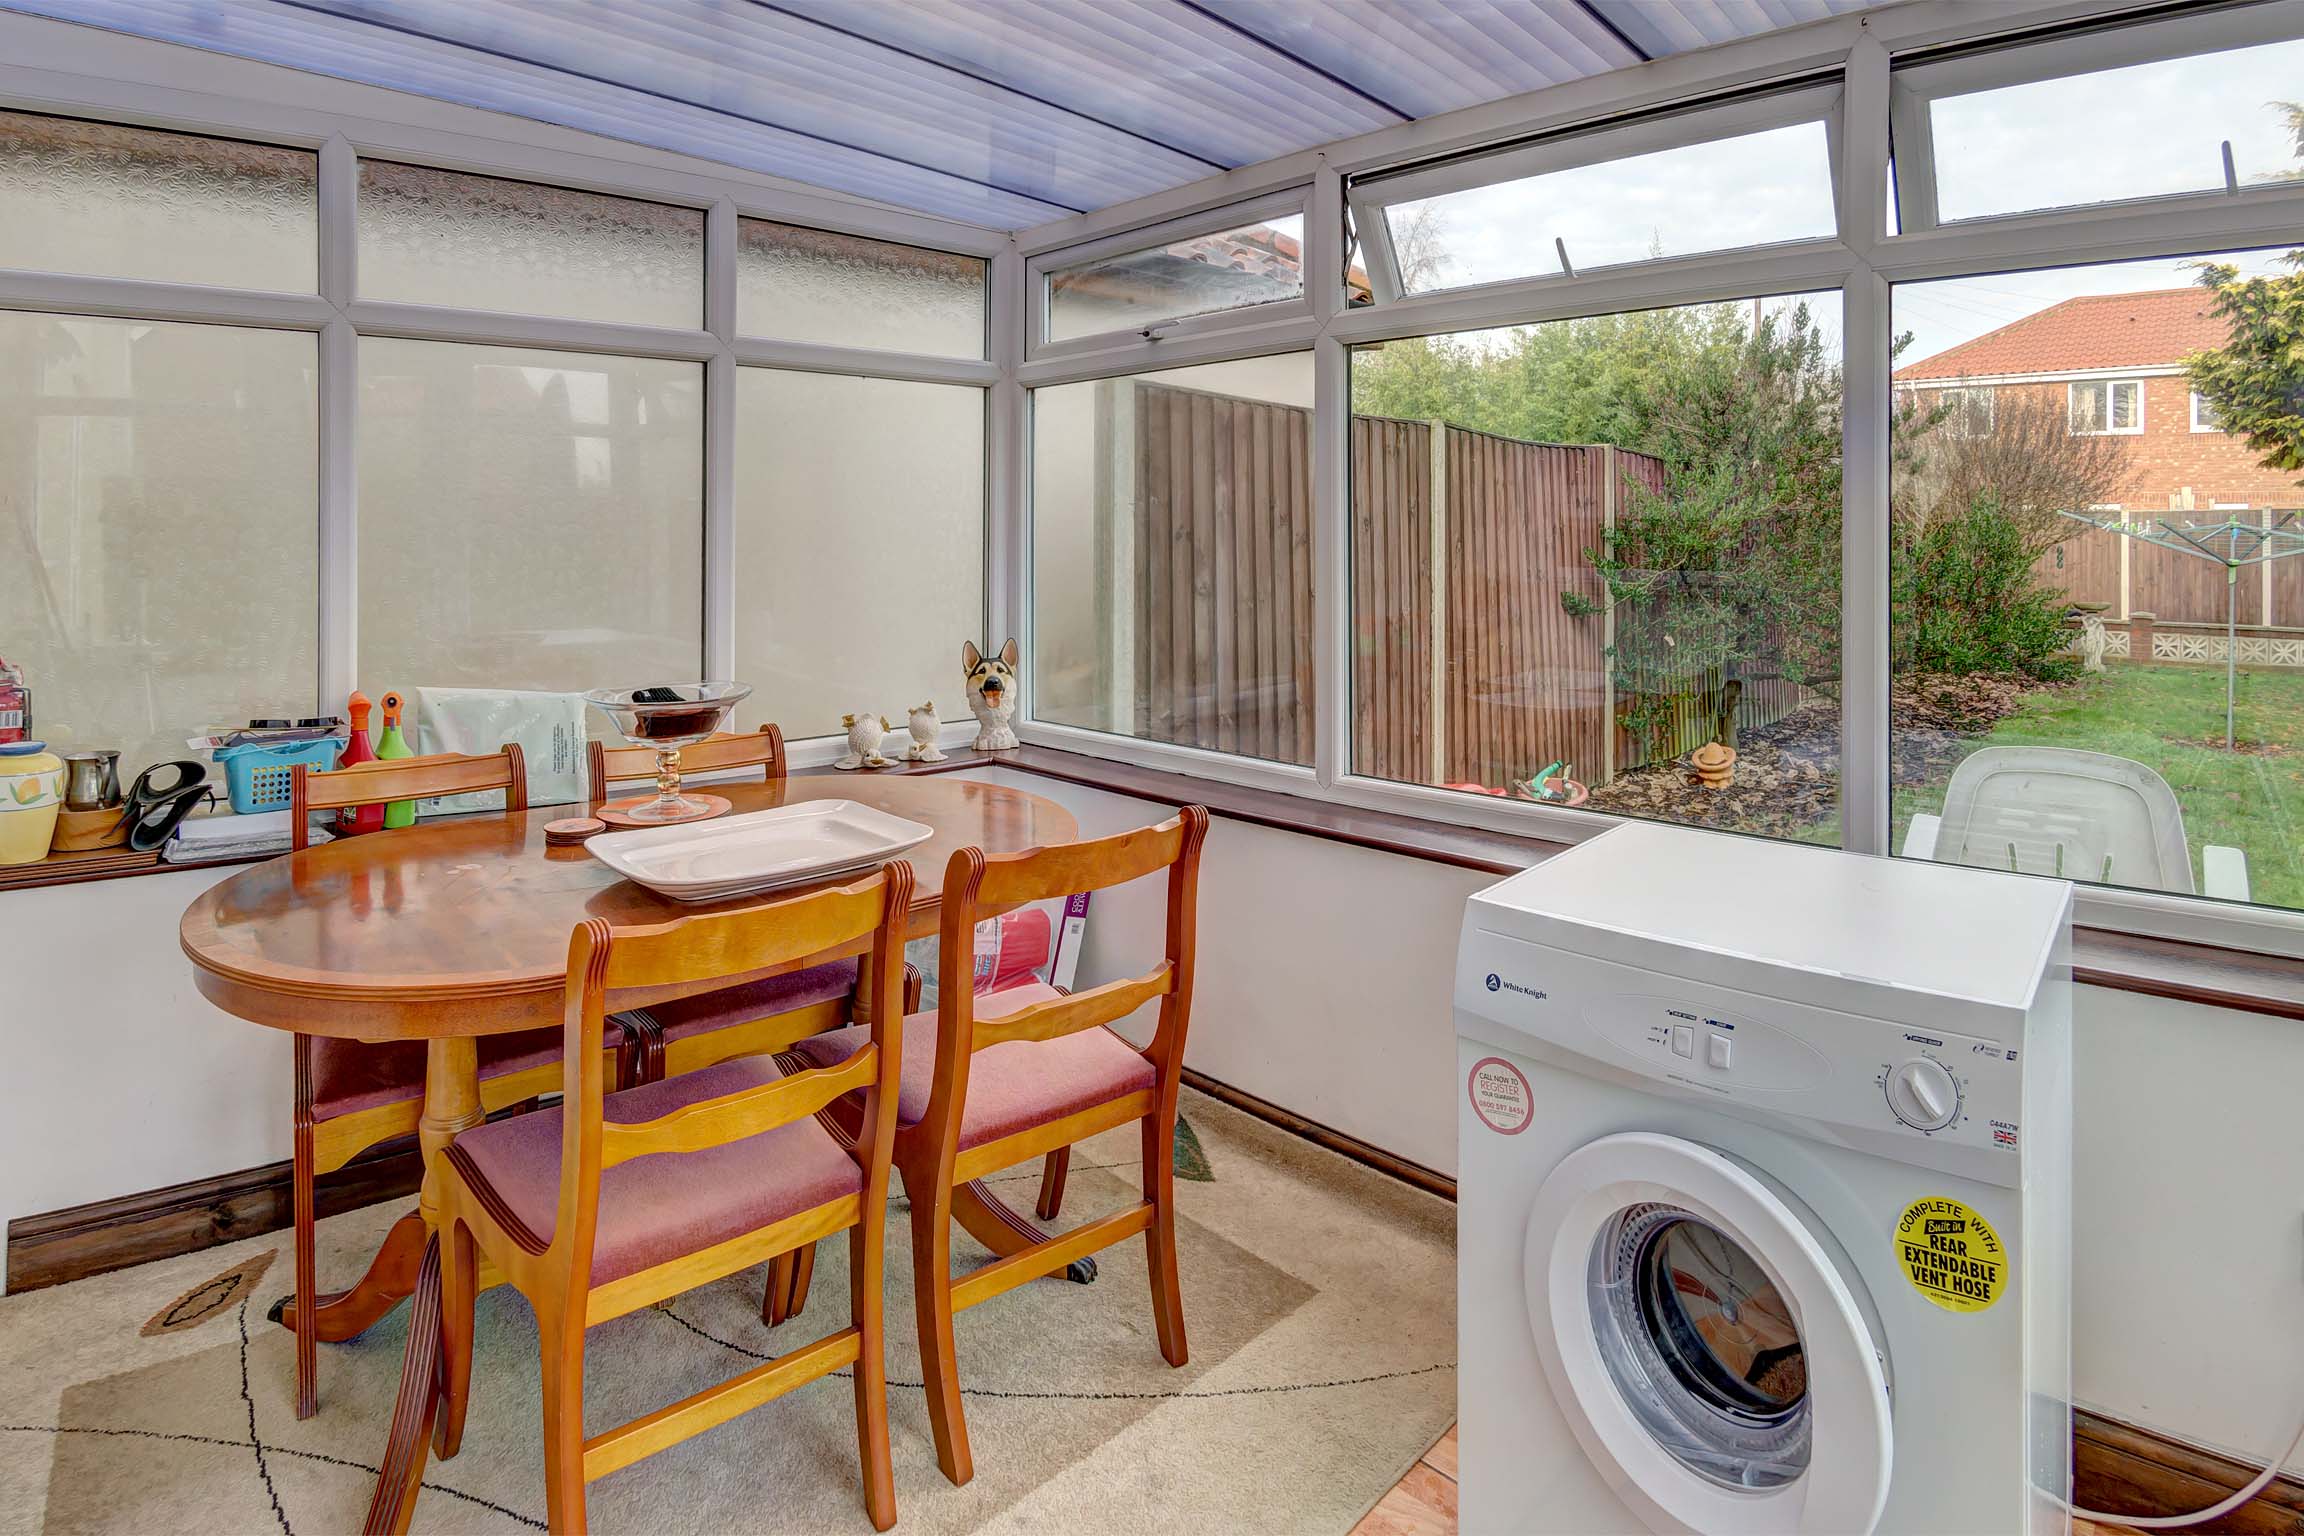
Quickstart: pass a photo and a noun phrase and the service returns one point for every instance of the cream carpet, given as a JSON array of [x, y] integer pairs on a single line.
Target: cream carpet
[[1319, 1299]]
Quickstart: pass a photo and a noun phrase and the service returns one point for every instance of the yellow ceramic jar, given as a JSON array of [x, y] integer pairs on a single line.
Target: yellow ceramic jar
[[31, 794]]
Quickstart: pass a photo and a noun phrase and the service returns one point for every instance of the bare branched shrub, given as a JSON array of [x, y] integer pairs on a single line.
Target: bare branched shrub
[[2030, 465]]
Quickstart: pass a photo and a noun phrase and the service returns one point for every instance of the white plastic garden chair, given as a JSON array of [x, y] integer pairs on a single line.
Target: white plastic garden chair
[[2080, 815]]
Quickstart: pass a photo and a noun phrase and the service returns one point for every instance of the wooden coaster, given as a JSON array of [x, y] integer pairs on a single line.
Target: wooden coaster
[[570, 831], [618, 813]]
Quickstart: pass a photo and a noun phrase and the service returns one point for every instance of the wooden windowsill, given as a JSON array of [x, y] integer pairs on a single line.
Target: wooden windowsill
[[2169, 968]]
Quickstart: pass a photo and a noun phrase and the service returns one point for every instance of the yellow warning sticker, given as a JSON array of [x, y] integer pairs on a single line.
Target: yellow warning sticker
[[1951, 1255]]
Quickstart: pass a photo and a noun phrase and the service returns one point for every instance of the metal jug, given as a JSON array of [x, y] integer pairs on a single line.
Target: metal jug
[[91, 780]]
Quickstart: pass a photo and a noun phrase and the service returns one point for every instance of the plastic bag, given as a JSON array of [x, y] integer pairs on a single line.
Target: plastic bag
[[1039, 942], [548, 726]]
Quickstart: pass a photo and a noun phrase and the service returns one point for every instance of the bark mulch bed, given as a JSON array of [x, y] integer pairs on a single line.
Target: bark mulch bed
[[1788, 774]]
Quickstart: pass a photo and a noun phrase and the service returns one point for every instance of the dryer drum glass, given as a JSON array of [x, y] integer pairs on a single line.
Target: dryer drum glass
[[1702, 1346]]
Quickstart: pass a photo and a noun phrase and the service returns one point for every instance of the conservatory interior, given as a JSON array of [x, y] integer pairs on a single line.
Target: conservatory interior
[[700, 694]]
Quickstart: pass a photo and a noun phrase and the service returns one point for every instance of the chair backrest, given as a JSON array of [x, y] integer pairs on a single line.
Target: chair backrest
[[2058, 811], [404, 778], [763, 748], [611, 968], [978, 885]]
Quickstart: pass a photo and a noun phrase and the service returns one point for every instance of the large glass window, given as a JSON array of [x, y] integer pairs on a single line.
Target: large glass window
[[859, 545], [528, 519], [799, 284], [478, 242], [1172, 556], [2097, 670], [101, 200], [1761, 188], [159, 528], [1206, 274], [1597, 562]]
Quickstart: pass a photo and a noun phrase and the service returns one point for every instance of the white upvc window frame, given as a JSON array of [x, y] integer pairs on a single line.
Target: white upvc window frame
[[1370, 197], [64, 70], [1862, 262], [1293, 202], [2198, 423], [2111, 386]]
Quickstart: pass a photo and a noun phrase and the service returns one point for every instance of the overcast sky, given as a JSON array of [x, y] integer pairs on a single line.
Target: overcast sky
[[2149, 130]]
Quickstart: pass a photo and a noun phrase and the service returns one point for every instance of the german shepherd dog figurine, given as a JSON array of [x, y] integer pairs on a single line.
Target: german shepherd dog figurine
[[992, 695]]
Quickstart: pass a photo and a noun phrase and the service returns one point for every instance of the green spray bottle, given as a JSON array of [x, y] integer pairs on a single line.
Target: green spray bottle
[[391, 745]]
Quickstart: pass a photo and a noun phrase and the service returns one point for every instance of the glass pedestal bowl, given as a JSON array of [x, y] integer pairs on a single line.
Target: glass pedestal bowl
[[667, 717]]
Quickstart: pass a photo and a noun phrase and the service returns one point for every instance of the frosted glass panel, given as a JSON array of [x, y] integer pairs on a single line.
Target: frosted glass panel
[[528, 519], [159, 516], [859, 545], [845, 291], [104, 201], [478, 242]]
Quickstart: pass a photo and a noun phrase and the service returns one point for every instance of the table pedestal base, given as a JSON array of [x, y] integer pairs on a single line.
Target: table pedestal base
[[391, 1279]]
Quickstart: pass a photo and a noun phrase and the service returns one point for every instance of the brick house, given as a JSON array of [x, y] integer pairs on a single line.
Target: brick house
[[2114, 365]]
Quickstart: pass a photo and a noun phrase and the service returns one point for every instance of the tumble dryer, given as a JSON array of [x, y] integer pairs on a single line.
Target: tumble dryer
[[1763, 1194]]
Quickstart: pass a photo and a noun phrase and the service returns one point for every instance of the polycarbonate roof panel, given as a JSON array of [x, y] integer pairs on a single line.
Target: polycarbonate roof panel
[[1659, 27], [1003, 113]]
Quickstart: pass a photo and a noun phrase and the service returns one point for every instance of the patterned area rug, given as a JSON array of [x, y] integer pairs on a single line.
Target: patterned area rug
[[1320, 1300]]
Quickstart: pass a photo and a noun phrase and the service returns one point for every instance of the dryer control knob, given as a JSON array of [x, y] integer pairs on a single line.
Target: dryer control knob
[[1923, 1094]]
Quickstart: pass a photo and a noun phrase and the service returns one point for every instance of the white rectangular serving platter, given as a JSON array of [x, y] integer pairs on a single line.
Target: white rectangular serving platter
[[758, 851]]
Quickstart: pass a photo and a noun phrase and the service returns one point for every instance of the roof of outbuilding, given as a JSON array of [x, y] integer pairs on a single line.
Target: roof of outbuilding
[[2156, 328]]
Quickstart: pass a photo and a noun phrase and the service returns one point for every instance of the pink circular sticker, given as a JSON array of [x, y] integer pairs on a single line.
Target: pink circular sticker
[[1500, 1096]]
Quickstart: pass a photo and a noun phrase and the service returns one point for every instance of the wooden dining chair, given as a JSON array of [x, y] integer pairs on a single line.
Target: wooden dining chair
[[994, 1080], [610, 1202], [353, 1094], [758, 1017]]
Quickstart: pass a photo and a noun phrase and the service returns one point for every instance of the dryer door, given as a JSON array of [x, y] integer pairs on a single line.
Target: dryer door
[[1705, 1346]]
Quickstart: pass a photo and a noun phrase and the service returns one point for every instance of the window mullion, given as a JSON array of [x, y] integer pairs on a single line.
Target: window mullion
[[337, 395], [720, 441]]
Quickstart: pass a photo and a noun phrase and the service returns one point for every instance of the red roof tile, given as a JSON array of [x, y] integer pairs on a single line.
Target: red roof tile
[[2112, 330]]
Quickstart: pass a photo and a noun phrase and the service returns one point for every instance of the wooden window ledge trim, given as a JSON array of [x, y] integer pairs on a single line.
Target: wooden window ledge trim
[[2178, 970]]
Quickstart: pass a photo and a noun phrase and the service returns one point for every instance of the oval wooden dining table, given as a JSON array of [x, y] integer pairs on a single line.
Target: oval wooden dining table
[[458, 928]]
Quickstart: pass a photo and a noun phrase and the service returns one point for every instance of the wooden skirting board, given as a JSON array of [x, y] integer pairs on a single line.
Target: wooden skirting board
[[2142, 1473], [82, 1240]]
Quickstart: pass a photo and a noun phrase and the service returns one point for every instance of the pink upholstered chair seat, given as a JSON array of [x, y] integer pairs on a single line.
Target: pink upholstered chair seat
[[351, 1075], [661, 1207], [708, 1011], [1012, 1086]]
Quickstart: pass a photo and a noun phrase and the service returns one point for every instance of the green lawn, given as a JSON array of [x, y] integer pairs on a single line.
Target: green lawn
[[2172, 718]]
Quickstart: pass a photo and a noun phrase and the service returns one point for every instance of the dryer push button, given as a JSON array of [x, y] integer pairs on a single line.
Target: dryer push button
[[1683, 1040], [1716, 1052]]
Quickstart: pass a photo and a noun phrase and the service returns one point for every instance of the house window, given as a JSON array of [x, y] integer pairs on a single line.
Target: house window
[[1967, 412], [2204, 417], [2101, 406]]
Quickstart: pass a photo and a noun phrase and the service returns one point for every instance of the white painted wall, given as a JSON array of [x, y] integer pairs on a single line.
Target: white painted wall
[[1323, 987], [121, 1077]]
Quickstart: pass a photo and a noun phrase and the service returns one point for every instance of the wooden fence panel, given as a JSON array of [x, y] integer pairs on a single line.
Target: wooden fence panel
[[1224, 587], [1223, 561]]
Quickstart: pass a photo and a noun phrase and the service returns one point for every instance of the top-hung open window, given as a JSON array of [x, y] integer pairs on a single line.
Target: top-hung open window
[[1238, 265], [1748, 173], [2206, 104]]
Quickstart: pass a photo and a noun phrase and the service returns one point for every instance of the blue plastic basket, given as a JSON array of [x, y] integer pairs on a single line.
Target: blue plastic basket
[[257, 773]]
